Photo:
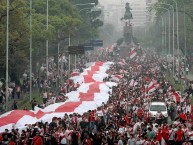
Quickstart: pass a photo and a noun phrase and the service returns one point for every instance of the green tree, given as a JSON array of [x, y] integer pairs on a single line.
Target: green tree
[[64, 19], [187, 4], [18, 37], [89, 16]]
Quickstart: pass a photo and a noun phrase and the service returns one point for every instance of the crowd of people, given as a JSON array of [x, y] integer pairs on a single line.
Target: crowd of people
[[125, 119]]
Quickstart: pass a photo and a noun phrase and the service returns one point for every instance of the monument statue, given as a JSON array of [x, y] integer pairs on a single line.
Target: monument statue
[[128, 14], [127, 40], [128, 27]]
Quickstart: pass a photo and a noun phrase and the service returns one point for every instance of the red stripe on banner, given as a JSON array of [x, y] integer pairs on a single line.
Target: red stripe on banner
[[89, 96], [68, 107], [14, 117], [99, 63], [41, 114], [95, 68], [88, 79]]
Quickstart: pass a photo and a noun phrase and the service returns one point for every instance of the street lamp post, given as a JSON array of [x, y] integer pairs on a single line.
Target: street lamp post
[[58, 58], [178, 47], [162, 31], [173, 45], [47, 41], [30, 75], [69, 43], [165, 26], [172, 26], [165, 33], [79, 12], [185, 43], [7, 57], [177, 24]]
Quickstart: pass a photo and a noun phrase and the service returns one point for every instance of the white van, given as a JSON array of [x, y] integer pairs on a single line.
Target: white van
[[155, 106]]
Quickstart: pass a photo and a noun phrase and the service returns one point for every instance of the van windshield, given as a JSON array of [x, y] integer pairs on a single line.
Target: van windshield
[[157, 107]]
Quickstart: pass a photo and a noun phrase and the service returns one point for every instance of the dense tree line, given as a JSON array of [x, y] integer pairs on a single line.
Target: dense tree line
[[153, 33], [65, 20]]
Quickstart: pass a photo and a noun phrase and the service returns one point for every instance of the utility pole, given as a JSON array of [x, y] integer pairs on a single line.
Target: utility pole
[[7, 57], [47, 43], [30, 49]]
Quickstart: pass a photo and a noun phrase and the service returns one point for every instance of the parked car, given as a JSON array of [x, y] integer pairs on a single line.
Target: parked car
[[155, 106]]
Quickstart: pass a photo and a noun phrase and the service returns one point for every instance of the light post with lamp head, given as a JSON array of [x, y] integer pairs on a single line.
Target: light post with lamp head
[[173, 35], [7, 57], [165, 25]]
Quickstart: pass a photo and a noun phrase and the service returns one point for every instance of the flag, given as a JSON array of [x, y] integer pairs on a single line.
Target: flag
[[116, 77], [110, 48], [133, 52], [133, 83], [137, 59], [176, 96], [153, 85], [122, 62], [74, 74], [123, 72]]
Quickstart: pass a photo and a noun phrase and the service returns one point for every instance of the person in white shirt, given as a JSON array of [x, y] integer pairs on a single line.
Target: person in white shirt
[[171, 135], [132, 140], [99, 113], [63, 138], [190, 135], [188, 108], [120, 142]]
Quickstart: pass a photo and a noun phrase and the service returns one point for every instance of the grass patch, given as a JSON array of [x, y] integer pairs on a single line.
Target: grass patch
[[178, 86], [25, 102], [191, 100]]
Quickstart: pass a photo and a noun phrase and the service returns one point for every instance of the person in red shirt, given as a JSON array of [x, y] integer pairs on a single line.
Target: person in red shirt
[[159, 135], [191, 115], [128, 118], [37, 140], [11, 142], [165, 133], [182, 117], [147, 116], [1, 138], [179, 136], [140, 113]]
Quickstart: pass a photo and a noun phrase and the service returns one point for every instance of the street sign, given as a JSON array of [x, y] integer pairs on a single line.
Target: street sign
[[97, 43], [76, 50], [87, 46]]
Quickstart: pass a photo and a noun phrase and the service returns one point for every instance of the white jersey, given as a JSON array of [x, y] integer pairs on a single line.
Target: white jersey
[[188, 108], [63, 138], [190, 134], [139, 142], [171, 134]]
